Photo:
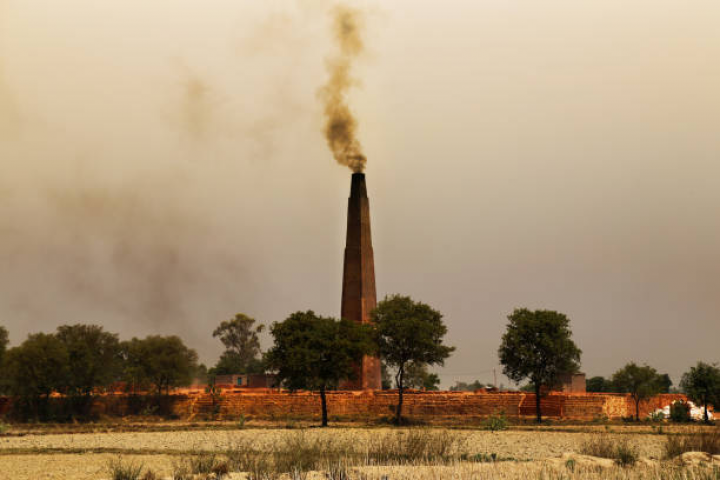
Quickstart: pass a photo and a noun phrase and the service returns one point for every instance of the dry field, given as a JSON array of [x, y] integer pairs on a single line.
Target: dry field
[[364, 453]]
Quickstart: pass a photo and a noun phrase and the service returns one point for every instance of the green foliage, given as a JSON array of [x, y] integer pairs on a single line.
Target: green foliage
[[163, 362], [497, 422], [702, 385], [408, 332], [242, 352], [641, 382], [93, 361], [467, 387], [417, 376], [598, 385], [680, 412], [538, 346], [3, 342], [317, 353], [35, 369]]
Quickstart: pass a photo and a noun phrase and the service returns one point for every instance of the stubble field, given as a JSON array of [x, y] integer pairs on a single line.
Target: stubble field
[[363, 453]]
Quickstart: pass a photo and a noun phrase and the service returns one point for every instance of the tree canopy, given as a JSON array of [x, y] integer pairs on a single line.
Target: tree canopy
[[317, 353], [538, 346], [93, 357], [702, 385], [408, 332], [641, 382], [241, 339], [35, 369], [163, 362]]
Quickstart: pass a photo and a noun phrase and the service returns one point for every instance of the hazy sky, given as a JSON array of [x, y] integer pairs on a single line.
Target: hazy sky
[[162, 167]]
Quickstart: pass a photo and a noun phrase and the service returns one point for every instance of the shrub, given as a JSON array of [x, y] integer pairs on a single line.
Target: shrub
[[120, 470], [497, 422], [680, 412]]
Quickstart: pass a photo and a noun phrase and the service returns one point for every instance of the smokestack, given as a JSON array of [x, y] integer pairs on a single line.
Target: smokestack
[[359, 297]]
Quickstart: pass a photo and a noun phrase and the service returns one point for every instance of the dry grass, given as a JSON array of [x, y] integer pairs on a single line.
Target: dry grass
[[693, 440]]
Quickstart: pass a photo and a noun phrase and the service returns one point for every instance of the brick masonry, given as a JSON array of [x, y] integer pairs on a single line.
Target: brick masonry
[[365, 405]]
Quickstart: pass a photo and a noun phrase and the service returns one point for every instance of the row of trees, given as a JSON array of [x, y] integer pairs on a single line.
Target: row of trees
[[76, 360], [317, 353]]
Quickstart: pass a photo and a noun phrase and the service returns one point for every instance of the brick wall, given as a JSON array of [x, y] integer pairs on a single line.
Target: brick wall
[[269, 404], [272, 404]]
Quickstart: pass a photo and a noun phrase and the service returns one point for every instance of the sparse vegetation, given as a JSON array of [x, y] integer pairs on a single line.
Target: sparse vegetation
[[693, 440], [124, 470], [623, 452]]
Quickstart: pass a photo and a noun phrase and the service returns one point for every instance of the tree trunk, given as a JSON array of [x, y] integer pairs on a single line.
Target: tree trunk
[[400, 384], [538, 410], [323, 401], [707, 420], [637, 409]]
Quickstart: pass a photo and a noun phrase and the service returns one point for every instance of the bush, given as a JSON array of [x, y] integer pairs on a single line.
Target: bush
[[497, 422], [120, 470], [707, 441], [680, 412]]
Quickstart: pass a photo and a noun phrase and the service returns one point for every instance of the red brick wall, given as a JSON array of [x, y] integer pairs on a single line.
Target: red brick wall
[[269, 404], [272, 404]]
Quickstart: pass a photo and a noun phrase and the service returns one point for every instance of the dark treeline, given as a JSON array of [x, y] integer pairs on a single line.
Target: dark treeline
[[309, 352], [79, 361]]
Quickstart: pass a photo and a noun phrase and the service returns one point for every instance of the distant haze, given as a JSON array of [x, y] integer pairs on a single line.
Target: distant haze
[[163, 165]]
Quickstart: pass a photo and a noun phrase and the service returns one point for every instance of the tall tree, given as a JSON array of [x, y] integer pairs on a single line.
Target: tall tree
[[167, 362], [317, 353], [93, 361], [641, 382], [35, 369], [241, 339], [408, 332], [538, 346], [702, 385]]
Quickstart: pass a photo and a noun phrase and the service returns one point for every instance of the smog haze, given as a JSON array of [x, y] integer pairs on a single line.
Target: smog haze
[[163, 166]]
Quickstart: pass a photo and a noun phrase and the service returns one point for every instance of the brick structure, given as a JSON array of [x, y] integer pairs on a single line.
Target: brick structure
[[359, 296], [368, 405]]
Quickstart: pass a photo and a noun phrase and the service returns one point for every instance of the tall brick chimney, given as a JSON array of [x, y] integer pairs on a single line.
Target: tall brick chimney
[[359, 296]]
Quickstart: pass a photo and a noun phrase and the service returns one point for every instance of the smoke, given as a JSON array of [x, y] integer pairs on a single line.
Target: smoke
[[341, 125]]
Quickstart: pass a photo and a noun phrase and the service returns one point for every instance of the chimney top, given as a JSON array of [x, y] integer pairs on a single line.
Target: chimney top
[[358, 187]]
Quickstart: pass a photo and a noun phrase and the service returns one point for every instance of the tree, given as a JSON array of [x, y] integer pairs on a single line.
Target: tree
[[242, 346], [702, 385], [317, 353], [408, 332], [93, 361], [3, 343], [165, 362], [417, 376], [538, 346], [641, 382], [467, 387], [598, 385], [664, 383], [3, 349], [35, 369]]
